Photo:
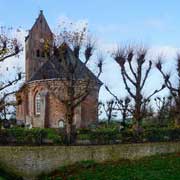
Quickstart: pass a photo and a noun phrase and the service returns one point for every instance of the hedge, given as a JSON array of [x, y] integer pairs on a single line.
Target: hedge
[[35, 136], [108, 136], [38, 136]]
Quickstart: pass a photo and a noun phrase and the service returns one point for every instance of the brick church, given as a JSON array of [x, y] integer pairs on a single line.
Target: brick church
[[39, 107]]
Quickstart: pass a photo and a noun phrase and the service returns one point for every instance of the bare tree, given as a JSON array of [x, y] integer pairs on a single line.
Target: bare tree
[[109, 109], [134, 77], [164, 106], [174, 89], [125, 108], [9, 47], [76, 89], [148, 110], [123, 105]]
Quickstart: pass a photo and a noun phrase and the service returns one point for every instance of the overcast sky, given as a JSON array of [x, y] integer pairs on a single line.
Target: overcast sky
[[153, 23]]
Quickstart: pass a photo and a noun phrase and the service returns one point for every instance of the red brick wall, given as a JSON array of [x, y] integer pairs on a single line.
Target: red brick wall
[[89, 109], [85, 114]]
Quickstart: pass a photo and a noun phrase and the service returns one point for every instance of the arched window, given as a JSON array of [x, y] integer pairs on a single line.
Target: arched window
[[37, 104], [61, 124]]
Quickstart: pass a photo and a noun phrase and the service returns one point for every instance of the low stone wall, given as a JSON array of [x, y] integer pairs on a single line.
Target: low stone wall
[[30, 161]]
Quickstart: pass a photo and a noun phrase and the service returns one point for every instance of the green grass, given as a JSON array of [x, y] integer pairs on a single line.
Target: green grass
[[1, 178], [6, 174], [165, 167]]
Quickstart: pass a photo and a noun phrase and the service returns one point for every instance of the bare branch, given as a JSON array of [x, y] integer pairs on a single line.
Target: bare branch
[[146, 74], [126, 85], [120, 56], [10, 83], [100, 65], [89, 48], [166, 77], [155, 92]]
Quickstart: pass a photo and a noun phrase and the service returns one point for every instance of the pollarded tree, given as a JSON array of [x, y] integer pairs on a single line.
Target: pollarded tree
[[109, 109], [165, 108], [78, 82], [9, 47], [135, 75], [123, 105], [174, 89]]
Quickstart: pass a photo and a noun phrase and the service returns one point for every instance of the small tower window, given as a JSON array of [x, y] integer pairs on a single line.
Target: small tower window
[[37, 53], [37, 104]]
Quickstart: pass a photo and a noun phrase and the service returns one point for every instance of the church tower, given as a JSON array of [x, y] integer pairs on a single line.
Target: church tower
[[38, 45]]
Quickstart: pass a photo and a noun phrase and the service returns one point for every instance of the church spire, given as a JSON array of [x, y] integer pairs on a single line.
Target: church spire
[[41, 20], [39, 34]]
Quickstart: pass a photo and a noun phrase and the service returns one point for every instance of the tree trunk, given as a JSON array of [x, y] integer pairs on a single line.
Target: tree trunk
[[109, 119], [124, 118], [69, 133], [177, 114], [137, 117], [69, 118], [177, 120], [137, 126]]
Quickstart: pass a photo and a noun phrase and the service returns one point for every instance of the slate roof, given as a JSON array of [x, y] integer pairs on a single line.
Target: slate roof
[[54, 68]]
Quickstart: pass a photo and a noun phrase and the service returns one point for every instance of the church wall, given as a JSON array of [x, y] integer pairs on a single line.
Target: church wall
[[20, 109], [34, 119], [77, 116], [56, 112], [85, 114], [89, 109]]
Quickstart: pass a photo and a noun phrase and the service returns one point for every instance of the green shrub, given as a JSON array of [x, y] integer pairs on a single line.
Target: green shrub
[[18, 133], [130, 136], [152, 135], [37, 135], [54, 136], [34, 136], [103, 135], [110, 135], [83, 130], [83, 136]]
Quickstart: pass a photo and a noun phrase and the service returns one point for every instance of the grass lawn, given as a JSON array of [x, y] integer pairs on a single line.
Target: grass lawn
[[1, 178], [164, 167], [5, 174]]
